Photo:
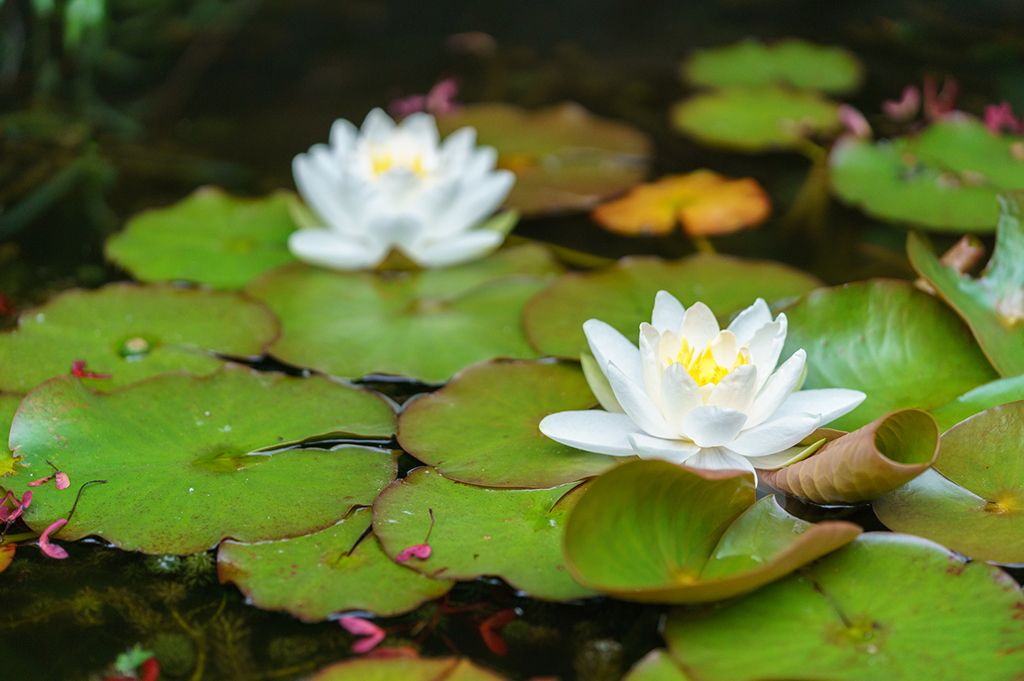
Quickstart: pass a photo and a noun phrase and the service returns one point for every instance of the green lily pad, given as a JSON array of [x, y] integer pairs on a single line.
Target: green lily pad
[[946, 179], [973, 501], [623, 295], [887, 606], [899, 345], [425, 325], [564, 157], [656, 665], [655, 532], [186, 459], [757, 118], [132, 332], [992, 305], [401, 668], [481, 428], [333, 570], [8, 406], [978, 400], [796, 63], [208, 238], [515, 534]]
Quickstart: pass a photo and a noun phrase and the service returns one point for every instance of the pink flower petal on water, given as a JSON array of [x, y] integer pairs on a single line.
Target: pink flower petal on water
[[9, 516], [905, 107], [421, 551], [63, 481], [40, 481], [52, 550], [999, 116], [361, 627], [854, 121]]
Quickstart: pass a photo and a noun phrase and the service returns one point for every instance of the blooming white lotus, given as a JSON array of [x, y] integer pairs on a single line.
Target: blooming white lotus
[[393, 186], [696, 394]]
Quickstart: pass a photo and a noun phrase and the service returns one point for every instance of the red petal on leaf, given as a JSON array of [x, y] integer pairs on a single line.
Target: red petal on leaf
[[361, 627], [78, 369], [492, 639], [63, 481], [421, 551], [52, 550], [40, 481]]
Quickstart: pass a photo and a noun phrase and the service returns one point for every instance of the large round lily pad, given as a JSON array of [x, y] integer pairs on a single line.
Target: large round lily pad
[[887, 606], [132, 332], [653, 531], [209, 238], [181, 457], [404, 668], [481, 428], [973, 501], [515, 534], [623, 295], [795, 63], [757, 118], [901, 346], [425, 325], [564, 157], [946, 179], [334, 570]]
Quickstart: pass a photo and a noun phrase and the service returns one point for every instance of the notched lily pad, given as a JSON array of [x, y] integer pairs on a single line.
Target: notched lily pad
[[865, 464], [334, 570], [564, 157], [879, 608], [993, 304], [978, 400], [177, 453], [426, 325], [796, 63], [622, 295], [515, 534], [481, 428], [655, 532], [973, 500], [402, 668], [132, 332], [899, 345], [209, 238], [757, 118]]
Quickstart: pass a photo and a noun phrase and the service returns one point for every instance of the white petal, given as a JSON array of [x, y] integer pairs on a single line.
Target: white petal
[[421, 129], [475, 202], [766, 346], [699, 326], [321, 193], [719, 458], [775, 435], [608, 345], [593, 431], [724, 349], [649, 362], [330, 249], [674, 451], [750, 320], [668, 313], [713, 426], [482, 161], [456, 150], [736, 391], [777, 390], [343, 137], [377, 126], [455, 249], [400, 229], [680, 394], [829, 403], [634, 400]]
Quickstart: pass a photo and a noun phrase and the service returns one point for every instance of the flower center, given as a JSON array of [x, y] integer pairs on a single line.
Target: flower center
[[383, 161], [703, 367]]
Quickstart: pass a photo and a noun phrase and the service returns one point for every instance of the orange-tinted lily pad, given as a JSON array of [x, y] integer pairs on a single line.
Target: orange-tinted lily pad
[[704, 202]]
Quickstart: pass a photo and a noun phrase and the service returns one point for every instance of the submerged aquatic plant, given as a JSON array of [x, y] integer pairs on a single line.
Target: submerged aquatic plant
[[392, 186], [698, 395]]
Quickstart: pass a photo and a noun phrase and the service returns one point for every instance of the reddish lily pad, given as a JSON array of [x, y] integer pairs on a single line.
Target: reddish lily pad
[[132, 332], [515, 534], [880, 608], [973, 501], [425, 325], [622, 295], [899, 345], [481, 428], [334, 570], [564, 157], [993, 304], [756, 118], [978, 400], [209, 238], [187, 459], [405, 668], [655, 532]]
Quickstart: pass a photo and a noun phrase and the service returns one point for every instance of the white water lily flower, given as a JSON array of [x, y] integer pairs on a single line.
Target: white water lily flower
[[393, 186], [698, 395]]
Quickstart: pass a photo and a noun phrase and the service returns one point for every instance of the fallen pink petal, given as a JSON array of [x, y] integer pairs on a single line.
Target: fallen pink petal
[[63, 481], [421, 551], [41, 481], [8, 515], [905, 107], [78, 369], [938, 104], [52, 550], [361, 627], [854, 121]]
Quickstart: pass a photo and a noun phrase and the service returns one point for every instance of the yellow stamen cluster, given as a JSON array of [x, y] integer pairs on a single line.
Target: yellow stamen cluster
[[702, 365], [384, 161]]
